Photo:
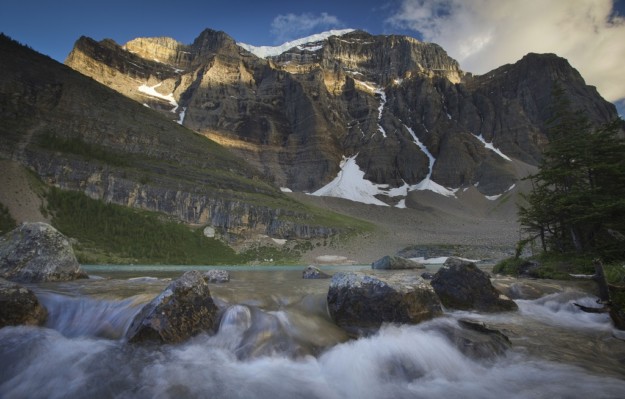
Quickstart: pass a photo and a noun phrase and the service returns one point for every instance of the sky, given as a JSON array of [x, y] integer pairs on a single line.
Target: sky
[[480, 34]]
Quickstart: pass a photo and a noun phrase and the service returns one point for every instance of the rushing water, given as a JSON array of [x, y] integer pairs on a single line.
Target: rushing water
[[275, 340]]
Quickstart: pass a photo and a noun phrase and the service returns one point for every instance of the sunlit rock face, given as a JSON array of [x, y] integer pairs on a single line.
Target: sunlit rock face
[[402, 109]]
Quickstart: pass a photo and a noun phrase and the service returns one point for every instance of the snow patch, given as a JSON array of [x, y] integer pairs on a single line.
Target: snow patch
[[491, 147], [181, 116], [151, 91], [350, 183], [309, 47], [381, 110], [494, 197], [279, 241], [401, 204], [428, 183], [286, 190], [272, 51]]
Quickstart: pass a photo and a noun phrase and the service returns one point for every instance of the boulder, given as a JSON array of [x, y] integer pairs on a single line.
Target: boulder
[[19, 305], [360, 303], [184, 309], [427, 276], [217, 276], [312, 272], [476, 340], [37, 252], [462, 285], [396, 263]]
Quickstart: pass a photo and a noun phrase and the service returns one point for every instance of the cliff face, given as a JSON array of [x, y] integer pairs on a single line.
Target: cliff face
[[402, 107], [80, 135]]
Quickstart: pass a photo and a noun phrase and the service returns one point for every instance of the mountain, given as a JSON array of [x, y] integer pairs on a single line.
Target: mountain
[[398, 113], [80, 135]]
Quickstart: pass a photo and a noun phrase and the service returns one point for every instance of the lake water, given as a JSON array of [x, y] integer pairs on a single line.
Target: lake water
[[277, 341]]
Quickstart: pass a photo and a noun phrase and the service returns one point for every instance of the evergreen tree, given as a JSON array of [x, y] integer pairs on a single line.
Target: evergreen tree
[[578, 198]]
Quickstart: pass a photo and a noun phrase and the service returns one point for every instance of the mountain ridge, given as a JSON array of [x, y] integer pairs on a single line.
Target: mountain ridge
[[77, 134], [394, 101]]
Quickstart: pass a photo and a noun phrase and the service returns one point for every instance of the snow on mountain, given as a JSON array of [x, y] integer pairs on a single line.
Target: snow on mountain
[[350, 183], [491, 147], [271, 51], [428, 183], [151, 91]]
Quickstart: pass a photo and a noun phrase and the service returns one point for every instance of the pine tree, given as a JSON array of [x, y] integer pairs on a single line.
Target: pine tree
[[577, 203]]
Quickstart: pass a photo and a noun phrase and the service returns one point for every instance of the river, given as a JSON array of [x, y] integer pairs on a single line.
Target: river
[[276, 341]]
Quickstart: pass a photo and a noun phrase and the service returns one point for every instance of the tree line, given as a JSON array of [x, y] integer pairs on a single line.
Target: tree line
[[577, 201]]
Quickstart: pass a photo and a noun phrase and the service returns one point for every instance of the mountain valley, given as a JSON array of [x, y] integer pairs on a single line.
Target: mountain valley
[[254, 142]]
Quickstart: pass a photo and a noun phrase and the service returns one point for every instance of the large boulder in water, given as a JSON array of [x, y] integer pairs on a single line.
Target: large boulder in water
[[217, 276], [462, 285], [360, 303], [184, 309], [36, 252], [312, 272], [396, 263], [19, 305]]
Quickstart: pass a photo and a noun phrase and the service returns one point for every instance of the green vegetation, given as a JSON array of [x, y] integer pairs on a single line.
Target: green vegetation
[[109, 233], [549, 265], [79, 147], [7, 223], [112, 231], [576, 209], [577, 204]]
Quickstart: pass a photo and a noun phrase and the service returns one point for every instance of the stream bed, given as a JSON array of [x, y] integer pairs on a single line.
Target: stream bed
[[276, 340]]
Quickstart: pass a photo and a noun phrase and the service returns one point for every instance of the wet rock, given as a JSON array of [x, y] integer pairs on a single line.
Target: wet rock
[[522, 291], [184, 309], [477, 340], [396, 263], [427, 276], [462, 285], [312, 272], [36, 252], [217, 276], [19, 305], [360, 303]]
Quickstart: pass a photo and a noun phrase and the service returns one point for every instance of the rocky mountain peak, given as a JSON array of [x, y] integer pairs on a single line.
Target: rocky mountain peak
[[160, 49], [211, 41], [399, 113]]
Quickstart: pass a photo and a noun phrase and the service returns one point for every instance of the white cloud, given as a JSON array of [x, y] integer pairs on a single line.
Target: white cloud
[[291, 26], [485, 34]]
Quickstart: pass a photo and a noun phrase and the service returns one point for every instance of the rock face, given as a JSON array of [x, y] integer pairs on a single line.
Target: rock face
[[50, 122], [184, 309], [396, 263], [361, 303], [312, 272], [461, 285], [403, 106], [36, 252], [19, 305]]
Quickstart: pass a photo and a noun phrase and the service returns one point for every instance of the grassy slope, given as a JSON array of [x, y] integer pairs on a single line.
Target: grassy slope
[[50, 113]]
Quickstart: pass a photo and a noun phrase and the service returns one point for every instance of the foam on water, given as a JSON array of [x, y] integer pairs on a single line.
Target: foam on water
[[398, 362]]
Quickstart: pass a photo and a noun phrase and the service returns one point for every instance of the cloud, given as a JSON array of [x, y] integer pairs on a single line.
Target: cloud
[[290, 26], [485, 34]]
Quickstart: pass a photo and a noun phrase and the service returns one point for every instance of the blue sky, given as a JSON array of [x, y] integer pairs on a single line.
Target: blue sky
[[480, 34]]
